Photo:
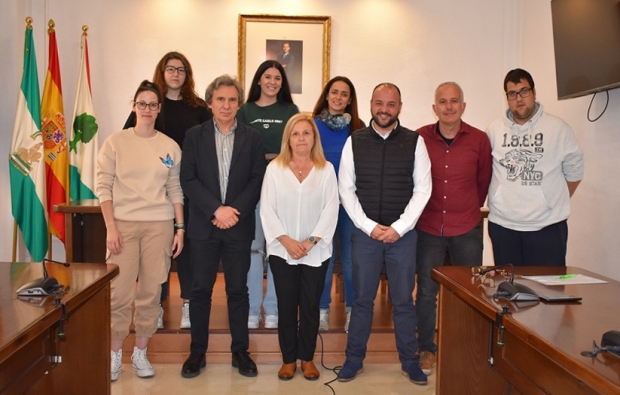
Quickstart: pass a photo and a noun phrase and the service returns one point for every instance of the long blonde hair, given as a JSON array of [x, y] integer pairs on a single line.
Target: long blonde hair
[[316, 154]]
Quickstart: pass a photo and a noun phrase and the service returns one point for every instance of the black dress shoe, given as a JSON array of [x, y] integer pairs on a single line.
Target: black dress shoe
[[242, 361], [193, 364]]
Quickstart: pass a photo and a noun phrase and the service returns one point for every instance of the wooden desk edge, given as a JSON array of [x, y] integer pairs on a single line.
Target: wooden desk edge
[[452, 286], [88, 206], [101, 282]]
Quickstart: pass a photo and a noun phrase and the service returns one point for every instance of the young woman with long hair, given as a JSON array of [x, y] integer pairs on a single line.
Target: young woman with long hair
[[268, 108], [336, 117]]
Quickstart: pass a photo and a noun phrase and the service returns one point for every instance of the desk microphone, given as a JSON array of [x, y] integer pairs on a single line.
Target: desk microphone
[[41, 286], [511, 290]]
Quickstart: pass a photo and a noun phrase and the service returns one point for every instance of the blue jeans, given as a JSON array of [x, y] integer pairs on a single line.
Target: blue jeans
[[255, 275], [368, 257], [344, 229], [464, 250]]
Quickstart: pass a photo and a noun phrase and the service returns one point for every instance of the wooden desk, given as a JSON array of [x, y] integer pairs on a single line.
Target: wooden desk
[[542, 341], [85, 231], [28, 331]]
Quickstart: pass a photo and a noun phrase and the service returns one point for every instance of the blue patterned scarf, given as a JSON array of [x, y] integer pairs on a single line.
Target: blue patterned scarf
[[335, 122]]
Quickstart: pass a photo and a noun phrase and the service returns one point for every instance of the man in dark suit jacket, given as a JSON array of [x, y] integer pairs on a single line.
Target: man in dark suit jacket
[[221, 173], [286, 58]]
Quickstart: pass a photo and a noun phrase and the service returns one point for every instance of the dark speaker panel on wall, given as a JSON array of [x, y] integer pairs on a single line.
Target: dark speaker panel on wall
[[586, 35]]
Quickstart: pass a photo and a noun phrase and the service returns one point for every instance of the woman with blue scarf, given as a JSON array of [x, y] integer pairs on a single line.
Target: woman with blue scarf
[[336, 117]]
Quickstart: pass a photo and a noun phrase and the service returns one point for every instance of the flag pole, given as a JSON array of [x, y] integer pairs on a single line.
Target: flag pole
[[49, 243], [50, 255], [14, 252]]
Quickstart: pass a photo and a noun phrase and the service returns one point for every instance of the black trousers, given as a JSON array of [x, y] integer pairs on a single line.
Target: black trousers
[[544, 247], [205, 256], [184, 270], [299, 289]]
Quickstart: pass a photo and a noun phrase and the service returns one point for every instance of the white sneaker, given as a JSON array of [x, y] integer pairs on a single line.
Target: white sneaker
[[346, 324], [117, 363], [141, 364], [185, 323], [271, 322], [253, 321], [324, 320], [160, 319]]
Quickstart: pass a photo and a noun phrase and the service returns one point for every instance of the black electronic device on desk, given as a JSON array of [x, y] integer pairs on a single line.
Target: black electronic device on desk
[[609, 343], [41, 286], [516, 292], [560, 298], [509, 289]]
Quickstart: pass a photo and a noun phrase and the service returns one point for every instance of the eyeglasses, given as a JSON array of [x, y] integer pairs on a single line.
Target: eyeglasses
[[172, 69], [142, 105], [512, 95]]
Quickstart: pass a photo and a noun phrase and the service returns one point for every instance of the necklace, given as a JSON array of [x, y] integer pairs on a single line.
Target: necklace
[[299, 170]]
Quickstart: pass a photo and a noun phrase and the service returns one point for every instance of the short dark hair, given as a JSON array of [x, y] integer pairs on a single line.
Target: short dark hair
[[284, 95], [223, 80], [515, 76], [388, 85]]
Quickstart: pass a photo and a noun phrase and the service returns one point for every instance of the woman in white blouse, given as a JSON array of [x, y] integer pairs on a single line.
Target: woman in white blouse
[[299, 212]]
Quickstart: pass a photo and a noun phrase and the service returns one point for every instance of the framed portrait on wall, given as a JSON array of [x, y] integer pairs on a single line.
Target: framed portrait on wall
[[300, 43]]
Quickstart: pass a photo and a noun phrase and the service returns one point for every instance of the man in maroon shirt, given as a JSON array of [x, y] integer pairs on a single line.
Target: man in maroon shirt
[[450, 223]]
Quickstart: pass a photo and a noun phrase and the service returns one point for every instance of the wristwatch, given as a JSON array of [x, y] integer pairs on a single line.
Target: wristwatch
[[312, 240]]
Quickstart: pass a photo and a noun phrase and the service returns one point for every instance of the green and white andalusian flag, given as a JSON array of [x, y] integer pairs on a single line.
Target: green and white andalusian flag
[[26, 162], [84, 146]]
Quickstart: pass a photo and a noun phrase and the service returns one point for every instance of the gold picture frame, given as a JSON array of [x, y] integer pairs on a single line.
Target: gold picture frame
[[263, 37]]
